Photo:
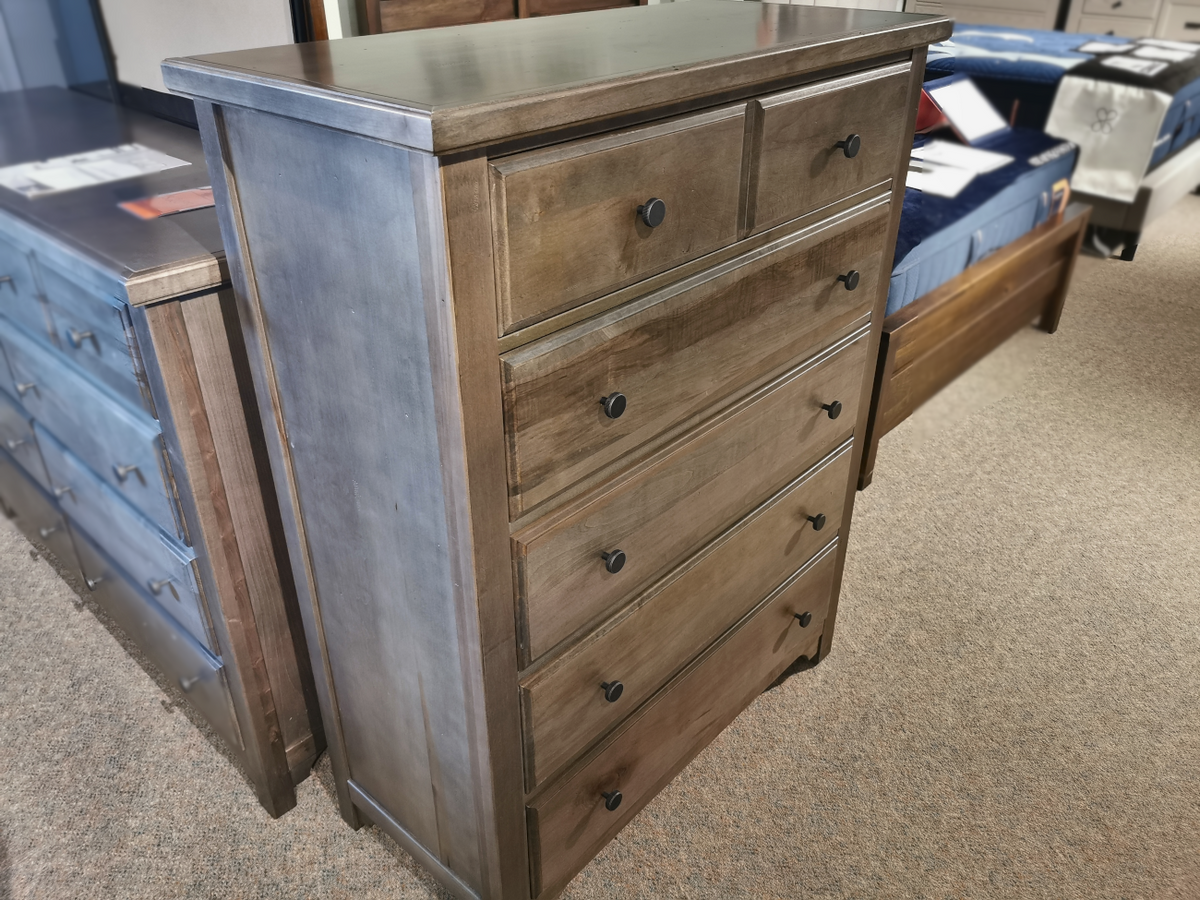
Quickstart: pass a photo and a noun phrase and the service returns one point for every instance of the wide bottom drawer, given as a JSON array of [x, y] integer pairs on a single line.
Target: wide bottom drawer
[[569, 824], [184, 662], [32, 510]]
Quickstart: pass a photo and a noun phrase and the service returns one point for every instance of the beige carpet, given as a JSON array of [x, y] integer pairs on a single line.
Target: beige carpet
[[1012, 709]]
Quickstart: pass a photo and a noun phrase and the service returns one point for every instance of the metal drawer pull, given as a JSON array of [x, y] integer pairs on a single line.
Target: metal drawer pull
[[818, 521], [614, 561], [614, 404], [13, 444], [612, 799], [78, 337], [850, 146], [124, 472], [803, 618], [613, 690], [157, 586], [46, 532], [26, 387], [7, 279], [850, 280], [93, 583], [186, 684], [652, 212], [834, 409], [62, 492]]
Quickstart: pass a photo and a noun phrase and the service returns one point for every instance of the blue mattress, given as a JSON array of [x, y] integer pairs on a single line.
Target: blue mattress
[[940, 237], [1015, 64]]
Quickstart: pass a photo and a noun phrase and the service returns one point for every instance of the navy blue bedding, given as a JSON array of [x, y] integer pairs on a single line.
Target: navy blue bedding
[[940, 237]]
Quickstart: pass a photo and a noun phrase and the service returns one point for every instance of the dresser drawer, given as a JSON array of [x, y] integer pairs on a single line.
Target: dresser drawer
[[1116, 26], [109, 357], [566, 706], [1180, 22], [32, 510], [567, 222], [570, 823], [681, 351], [122, 444], [683, 498], [19, 295], [157, 563], [1142, 9], [800, 166], [16, 436], [184, 662]]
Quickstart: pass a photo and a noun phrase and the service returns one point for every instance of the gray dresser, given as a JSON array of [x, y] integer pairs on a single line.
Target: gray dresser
[[131, 446]]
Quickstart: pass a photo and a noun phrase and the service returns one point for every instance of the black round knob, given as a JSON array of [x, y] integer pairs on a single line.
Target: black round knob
[[834, 409], [818, 521], [612, 799], [851, 145], [614, 404], [613, 690], [804, 619], [850, 280], [653, 211], [614, 560]]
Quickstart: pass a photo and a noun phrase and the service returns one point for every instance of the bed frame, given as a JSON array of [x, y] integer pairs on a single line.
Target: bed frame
[[933, 340]]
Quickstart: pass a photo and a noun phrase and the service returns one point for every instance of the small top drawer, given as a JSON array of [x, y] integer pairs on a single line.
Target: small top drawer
[[682, 350], [159, 565], [16, 435], [19, 294], [122, 444], [801, 166], [1141, 9], [566, 218]]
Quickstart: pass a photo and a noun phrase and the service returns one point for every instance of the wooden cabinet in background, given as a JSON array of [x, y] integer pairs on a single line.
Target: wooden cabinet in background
[[380, 16]]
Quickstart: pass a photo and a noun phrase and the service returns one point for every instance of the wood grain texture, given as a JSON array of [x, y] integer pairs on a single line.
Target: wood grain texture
[[570, 824], [567, 226], [232, 616], [680, 498], [936, 338], [473, 297], [556, 7], [800, 167], [281, 637], [661, 631], [680, 350], [402, 15]]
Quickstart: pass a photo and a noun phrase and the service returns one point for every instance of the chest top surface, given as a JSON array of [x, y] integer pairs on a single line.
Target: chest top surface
[[446, 89]]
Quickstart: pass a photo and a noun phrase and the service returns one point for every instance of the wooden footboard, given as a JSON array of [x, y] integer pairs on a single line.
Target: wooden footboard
[[933, 340]]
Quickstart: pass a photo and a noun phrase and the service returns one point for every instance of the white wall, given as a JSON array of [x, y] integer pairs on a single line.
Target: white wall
[[145, 32]]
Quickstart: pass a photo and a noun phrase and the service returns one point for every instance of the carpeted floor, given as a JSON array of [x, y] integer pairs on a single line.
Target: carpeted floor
[[1012, 709]]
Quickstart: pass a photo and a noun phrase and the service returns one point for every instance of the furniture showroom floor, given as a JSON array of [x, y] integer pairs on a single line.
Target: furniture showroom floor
[[1012, 709]]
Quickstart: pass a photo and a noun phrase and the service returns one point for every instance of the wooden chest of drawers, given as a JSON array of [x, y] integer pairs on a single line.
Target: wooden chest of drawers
[[127, 449], [562, 364]]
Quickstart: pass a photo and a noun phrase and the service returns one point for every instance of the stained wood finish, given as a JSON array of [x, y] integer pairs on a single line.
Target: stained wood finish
[[936, 338], [657, 635], [567, 224], [680, 350], [402, 15], [682, 497], [570, 824], [555, 7], [800, 166]]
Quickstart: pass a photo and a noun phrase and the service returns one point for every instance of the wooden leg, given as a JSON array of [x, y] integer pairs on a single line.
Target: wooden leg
[[1054, 307]]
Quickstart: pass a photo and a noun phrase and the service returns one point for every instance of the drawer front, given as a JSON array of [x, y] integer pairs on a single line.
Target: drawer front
[[570, 823], [20, 298], [16, 436], [1180, 22], [114, 361], [681, 351], [1140, 9], [121, 444], [32, 510], [184, 662], [158, 564], [684, 498], [1118, 27], [800, 166], [565, 706], [566, 218]]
